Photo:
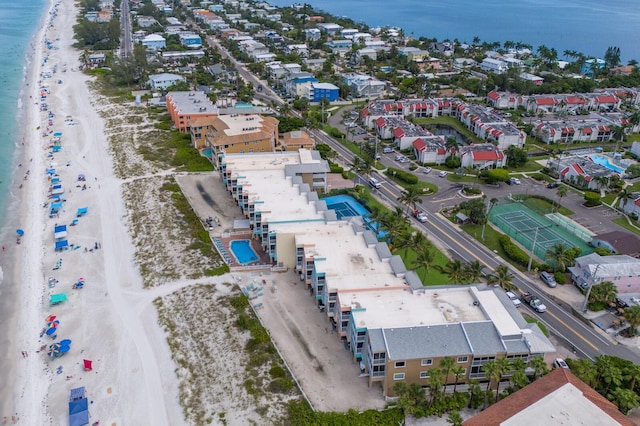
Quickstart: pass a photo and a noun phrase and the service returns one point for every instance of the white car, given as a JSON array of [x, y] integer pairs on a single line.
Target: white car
[[426, 170], [421, 216], [516, 302], [560, 363], [442, 174]]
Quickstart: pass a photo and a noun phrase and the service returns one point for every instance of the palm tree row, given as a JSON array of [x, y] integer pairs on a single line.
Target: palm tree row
[[473, 272]]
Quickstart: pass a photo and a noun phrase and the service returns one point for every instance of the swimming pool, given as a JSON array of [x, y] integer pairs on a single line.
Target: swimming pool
[[604, 161], [243, 252], [347, 206]]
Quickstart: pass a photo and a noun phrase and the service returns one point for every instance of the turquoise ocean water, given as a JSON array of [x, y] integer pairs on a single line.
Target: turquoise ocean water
[[19, 21], [587, 26]]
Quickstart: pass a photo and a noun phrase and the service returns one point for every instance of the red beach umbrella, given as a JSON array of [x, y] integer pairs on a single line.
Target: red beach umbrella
[[50, 318]]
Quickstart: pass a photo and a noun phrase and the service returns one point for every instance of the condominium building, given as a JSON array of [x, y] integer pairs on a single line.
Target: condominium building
[[184, 107], [241, 134], [393, 326]]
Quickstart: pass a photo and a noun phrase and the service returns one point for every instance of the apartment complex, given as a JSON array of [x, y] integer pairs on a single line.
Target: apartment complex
[[186, 106], [392, 325], [241, 134]]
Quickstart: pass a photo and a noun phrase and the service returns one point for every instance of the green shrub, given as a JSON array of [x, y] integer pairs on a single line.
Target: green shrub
[[592, 199], [602, 251], [497, 175], [277, 372], [280, 385], [538, 176], [515, 253], [335, 168], [560, 278], [402, 175]]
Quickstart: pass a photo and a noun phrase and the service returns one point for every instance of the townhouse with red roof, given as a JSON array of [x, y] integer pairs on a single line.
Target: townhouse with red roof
[[583, 172], [504, 100], [430, 150], [482, 156]]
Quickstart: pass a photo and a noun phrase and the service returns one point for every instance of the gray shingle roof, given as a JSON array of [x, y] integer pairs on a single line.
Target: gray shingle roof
[[425, 342], [376, 340], [484, 338]]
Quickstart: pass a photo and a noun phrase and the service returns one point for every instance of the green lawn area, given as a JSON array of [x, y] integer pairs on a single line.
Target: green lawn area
[[622, 221], [530, 166], [452, 177], [608, 199], [543, 327], [490, 241], [427, 187], [542, 206], [433, 277]]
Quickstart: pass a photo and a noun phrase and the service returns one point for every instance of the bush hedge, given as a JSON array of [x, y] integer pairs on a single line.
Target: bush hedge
[[592, 199], [402, 175], [515, 253]]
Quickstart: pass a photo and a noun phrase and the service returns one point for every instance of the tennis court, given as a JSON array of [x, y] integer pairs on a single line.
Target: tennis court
[[522, 224]]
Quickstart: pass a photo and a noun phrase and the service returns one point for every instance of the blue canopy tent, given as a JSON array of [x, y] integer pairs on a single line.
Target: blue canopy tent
[[57, 190], [78, 408], [62, 245], [57, 134], [60, 232], [55, 180], [56, 148], [55, 208], [50, 171], [82, 211]]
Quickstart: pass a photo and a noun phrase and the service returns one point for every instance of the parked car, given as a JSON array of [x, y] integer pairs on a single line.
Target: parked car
[[552, 185], [560, 363], [399, 157], [442, 174], [387, 150], [426, 170], [548, 279], [513, 181]]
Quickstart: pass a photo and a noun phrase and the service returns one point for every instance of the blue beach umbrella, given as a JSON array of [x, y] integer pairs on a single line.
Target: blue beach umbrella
[[64, 349], [65, 342], [20, 232], [51, 331]]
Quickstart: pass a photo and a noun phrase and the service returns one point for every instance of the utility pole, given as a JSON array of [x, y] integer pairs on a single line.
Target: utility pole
[[593, 282], [533, 248]]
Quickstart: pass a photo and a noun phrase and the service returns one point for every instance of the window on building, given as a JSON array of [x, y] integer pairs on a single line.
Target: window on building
[[400, 364], [398, 376], [426, 362], [424, 374], [462, 359]]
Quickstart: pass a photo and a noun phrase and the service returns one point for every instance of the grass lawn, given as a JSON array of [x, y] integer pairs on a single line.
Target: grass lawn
[[626, 225], [530, 166], [543, 327], [608, 199], [452, 177], [426, 187], [433, 277], [542, 206]]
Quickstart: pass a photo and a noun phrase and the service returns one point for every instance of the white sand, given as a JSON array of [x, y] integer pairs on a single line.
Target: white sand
[[111, 321]]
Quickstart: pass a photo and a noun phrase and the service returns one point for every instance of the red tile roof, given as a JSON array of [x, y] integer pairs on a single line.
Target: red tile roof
[[398, 132], [574, 100], [493, 95], [441, 151], [546, 101], [487, 155], [578, 169], [419, 144], [587, 131], [529, 395], [380, 121], [606, 99]]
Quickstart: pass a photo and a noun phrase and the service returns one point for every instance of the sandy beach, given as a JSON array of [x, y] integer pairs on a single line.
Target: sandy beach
[[108, 320]]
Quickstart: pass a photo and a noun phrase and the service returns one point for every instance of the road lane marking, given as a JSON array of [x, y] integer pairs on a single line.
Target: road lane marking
[[584, 339]]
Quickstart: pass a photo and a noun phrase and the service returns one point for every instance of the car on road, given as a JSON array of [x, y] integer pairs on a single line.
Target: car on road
[[378, 156], [421, 216], [560, 363], [426, 170], [404, 160], [548, 279], [516, 301], [398, 157], [443, 174], [513, 181], [387, 150], [552, 185]]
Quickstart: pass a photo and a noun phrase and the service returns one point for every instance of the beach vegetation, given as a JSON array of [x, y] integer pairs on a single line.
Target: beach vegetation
[[97, 35]]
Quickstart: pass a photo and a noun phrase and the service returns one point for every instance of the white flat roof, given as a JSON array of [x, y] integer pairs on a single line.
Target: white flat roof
[[263, 178], [496, 311], [565, 406], [399, 308], [344, 258]]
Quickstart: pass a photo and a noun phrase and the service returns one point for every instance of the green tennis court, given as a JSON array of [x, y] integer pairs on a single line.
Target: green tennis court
[[524, 225]]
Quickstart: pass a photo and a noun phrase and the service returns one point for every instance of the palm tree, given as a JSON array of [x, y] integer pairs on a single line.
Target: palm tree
[[502, 366], [457, 372], [625, 195], [394, 222], [411, 197], [539, 366], [502, 277], [409, 396], [454, 269], [559, 253], [625, 399], [632, 374], [561, 193], [451, 144], [605, 292], [517, 368], [492, 202], [424, 259], [436, 380], [612, 377], [375, 215], [583, 368], [490, 368], [473, 271], [632, 315], [403, 242], [446, 364]]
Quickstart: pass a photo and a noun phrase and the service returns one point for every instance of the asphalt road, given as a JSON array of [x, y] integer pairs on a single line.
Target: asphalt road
[[126, 42], [558, 317]]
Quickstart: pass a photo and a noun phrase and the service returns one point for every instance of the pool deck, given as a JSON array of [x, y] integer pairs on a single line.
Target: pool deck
[[263, 258]]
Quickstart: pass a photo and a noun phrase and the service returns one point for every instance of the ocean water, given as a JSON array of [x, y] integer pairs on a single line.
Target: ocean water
[[19, 21], [587, 26]]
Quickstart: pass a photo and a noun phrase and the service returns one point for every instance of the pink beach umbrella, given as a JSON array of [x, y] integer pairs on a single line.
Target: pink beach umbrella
[[50, 318]]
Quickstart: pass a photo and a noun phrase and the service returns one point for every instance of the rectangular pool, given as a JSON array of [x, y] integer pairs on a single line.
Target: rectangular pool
[[243, 252]]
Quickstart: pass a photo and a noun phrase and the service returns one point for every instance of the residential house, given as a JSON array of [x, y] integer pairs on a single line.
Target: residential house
[[592, 64], [316, 91], [199, 127], [241, 134], [295, 83], [364, 86], [183, 107], [348, 33], [313, 64], [96, 59], [154, 42], [414, 54], [366, 52], [494, 65], [582, 171], [532, 78], [296, 140], [190, 40], [618, 242], [299, 49], [105, 15], [146, 21], [482, 156], [503, 100], [329, 28], [430, 149], [172, 57], [339, 47], [164, 80], [312, 34], [621, 269], [557, 397]]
